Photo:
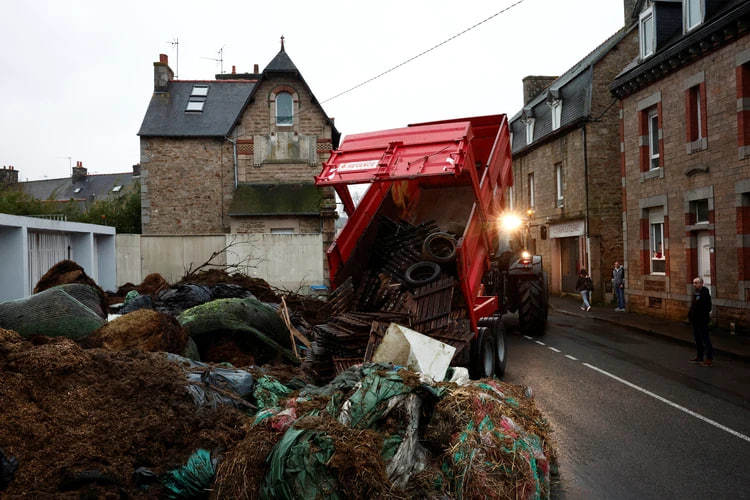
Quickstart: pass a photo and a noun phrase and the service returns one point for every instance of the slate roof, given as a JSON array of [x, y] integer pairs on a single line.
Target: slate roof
[[276, 199], [574, 87], [97, 185], [166, 115], [225, 103]]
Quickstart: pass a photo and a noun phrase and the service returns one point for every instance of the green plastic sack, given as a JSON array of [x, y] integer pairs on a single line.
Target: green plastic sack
[[268, 392], [243, 316], [298, 467], [192, 480]]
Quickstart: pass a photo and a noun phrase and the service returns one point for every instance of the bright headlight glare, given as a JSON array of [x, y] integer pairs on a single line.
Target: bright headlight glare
[[525, 255], [510, 222]]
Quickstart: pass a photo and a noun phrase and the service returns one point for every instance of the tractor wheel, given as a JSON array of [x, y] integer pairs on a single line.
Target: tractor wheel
[[483, 354], [532, 307], [496, 328]]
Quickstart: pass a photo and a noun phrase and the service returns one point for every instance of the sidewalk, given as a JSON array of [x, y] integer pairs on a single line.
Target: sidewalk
[[735, 346]]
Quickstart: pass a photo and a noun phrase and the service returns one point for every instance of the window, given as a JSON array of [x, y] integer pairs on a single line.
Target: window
[[699, 211], [531, 190], [559, 183], [117, 188], [77, 190], [284, 109], [646, 33], [529, 130], [692, 14], [694, 114], [556, 109], [656, 240], [282, 230], [197, 99], [653, 139], [743, 110]]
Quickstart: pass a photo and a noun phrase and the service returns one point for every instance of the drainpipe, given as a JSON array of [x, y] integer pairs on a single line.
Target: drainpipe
[[234, 158], [586, 187]]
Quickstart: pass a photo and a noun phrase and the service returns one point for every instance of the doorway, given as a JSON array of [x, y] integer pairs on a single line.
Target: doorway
[[704, 256], [569, 258]]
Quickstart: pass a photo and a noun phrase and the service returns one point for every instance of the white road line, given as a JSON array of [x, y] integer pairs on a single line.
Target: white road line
[[571, 357], [540, 342], [527, 337], [553, 349], [670, 403]]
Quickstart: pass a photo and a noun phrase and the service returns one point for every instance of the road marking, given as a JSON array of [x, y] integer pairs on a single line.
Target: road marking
[[571, 357], [670, 403], [540, 342], [553, 349], [527, 337]]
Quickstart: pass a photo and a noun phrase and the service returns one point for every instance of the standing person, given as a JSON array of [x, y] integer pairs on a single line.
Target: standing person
[[618, 283], [584, 286], [699, 316]]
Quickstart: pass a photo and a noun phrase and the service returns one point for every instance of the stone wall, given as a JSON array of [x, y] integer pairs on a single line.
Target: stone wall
[[713, 170]]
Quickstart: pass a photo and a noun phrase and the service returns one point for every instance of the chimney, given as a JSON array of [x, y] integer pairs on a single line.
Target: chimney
[[234, 70], [137, 170], [8, 176], [162, 74], [534, 85], [630, 15], [79, 173], [255, 69]]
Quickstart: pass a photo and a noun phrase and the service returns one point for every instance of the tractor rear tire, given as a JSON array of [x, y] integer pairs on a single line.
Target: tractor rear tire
[[532, 307], [496, 328], [482, 355]]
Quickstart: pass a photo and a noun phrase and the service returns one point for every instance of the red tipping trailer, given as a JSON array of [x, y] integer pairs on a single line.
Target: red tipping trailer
[[452, 172]]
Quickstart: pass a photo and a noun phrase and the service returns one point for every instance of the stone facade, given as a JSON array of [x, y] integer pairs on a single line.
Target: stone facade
[[188, 183], [711, 170], [588, 153]]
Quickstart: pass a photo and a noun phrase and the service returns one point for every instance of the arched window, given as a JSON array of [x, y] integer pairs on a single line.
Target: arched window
[[284, 109]]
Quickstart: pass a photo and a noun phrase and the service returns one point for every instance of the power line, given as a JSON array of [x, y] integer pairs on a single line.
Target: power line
[[425, 51]]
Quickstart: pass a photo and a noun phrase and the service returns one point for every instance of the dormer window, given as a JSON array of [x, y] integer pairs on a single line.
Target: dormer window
[[284, 109], [647, 35], [692, 14], [197, 98], [556, 112]]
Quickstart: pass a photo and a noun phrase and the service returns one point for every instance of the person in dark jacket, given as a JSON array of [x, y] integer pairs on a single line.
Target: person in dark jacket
[[618, 285], [699, 316], [584, 286]]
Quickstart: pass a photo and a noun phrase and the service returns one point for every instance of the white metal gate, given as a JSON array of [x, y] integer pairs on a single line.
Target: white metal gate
[[45, 250]]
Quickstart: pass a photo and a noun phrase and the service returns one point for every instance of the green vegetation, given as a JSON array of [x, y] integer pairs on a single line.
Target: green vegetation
[[122, 212]]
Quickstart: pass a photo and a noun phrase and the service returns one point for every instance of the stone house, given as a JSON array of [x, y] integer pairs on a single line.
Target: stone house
[[685, 161], [565, 159], [237, 154]]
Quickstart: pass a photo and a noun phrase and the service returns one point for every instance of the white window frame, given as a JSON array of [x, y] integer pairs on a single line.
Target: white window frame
[[531, 190], [197, 99], [694, 209], [291, 117], [653, 131], [559, 184], [529, 130], [646, 48], [686, 11], [656, 226], [698, 110], [556, 112]]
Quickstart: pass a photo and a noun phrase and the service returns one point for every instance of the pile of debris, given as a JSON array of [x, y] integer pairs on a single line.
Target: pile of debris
[[199, 392]]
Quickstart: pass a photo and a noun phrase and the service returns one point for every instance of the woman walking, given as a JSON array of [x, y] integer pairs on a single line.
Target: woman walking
[[584, 286]]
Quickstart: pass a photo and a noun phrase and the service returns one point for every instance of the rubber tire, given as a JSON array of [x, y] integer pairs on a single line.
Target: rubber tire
[[482, 355], [532, 307], [448, 239], [422, 281], [496, 328]]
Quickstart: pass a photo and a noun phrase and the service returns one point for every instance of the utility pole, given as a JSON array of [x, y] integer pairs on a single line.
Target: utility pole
[[220, 59]]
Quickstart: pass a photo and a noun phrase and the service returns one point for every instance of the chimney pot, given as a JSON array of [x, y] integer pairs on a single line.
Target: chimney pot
[[163, 74], [163, 58], [234, 70], [255, 69]]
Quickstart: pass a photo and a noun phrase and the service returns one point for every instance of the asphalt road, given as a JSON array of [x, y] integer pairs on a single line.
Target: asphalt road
[[632, 418]]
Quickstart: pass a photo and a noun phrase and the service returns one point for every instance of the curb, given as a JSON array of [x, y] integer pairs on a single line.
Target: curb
[[677, 340]]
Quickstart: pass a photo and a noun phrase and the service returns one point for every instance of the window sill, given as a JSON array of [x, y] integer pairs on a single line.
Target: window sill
[[696, 146], [700, 226], [656, 173], [658, 275], [744, 152]]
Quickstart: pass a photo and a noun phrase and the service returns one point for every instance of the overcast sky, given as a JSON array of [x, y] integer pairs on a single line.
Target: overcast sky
[[76, 76]]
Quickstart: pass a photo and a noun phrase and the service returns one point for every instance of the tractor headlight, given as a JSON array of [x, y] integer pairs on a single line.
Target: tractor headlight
[[525, 255], [510, 222]]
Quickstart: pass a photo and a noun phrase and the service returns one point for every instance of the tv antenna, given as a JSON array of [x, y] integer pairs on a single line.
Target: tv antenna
[[176, 44], [219, 59], [70, 162]]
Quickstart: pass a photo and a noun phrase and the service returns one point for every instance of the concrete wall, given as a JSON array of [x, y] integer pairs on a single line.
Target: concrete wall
[[288, 261], [92, 247]]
